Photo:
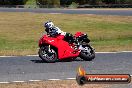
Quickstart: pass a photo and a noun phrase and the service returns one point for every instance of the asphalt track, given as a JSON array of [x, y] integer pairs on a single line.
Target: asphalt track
[[71, 11], [25, 68]]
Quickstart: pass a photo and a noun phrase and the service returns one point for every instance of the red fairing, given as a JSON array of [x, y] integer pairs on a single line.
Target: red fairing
[[78, 34], [64, 49], [60, 37]]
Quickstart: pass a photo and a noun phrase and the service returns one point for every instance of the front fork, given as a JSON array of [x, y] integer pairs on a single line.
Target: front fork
[[49, 50], [81, 47]]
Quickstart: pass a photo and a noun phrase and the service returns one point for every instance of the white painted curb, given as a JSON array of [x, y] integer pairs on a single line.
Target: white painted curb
[[54, 79], [32, 55], [35, 80], [4, 82], [39, 80], [95, 52], [70, 78], [116, 52], [8, 56], [18, 81]]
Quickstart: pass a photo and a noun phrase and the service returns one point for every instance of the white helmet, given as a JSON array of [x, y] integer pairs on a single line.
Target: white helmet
[[49, 24]]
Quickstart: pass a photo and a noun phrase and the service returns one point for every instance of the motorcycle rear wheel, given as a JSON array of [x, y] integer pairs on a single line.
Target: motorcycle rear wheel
[[47, 56]]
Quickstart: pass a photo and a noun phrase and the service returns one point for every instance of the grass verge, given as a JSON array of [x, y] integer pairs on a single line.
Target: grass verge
[[20, 32]]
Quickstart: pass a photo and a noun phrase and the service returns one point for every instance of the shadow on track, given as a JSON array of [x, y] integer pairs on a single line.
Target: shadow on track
[[66, 60], [38, 61]]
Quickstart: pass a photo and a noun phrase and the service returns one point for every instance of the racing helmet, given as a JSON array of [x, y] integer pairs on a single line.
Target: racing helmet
[[48, 24]]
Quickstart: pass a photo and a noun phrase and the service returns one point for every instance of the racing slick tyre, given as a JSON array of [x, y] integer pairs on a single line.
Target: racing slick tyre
[[88, 53], [46, 55]]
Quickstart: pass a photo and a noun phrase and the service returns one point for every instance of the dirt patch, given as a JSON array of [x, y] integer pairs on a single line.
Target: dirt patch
[[53, 84]]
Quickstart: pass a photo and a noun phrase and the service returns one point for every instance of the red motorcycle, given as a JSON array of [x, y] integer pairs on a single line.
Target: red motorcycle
[[56, 48]]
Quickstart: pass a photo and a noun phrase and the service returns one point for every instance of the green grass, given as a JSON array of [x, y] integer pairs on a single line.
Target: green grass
[[20, 32], [31, 4]]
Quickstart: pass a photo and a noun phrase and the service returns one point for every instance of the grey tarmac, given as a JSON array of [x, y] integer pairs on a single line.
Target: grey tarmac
[[24, 68], [125, 12]]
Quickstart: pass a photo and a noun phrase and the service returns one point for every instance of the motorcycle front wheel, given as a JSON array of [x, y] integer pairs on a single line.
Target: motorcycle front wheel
[[46, 55], [87, 53]]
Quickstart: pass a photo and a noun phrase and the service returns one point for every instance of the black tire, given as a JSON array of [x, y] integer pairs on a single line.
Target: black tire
[[44, 54], [81, 80], [87, 56]]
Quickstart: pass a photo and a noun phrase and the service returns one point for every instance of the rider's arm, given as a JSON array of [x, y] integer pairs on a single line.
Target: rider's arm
[[58, 30]]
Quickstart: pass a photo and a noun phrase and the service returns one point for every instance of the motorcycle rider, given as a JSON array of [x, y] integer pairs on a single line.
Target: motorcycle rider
[[54, 31]]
